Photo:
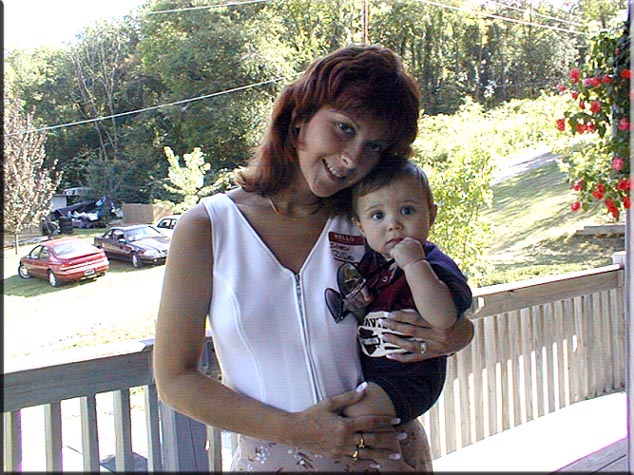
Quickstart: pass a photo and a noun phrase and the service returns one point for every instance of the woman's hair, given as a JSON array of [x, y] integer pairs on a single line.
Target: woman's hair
[[359, 80], [385, 174]]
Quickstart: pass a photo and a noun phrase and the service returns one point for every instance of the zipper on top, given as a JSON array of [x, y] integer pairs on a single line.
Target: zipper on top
[[302, 318]]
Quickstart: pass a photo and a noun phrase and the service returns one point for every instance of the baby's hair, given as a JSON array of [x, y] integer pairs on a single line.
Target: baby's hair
[[385, 173]]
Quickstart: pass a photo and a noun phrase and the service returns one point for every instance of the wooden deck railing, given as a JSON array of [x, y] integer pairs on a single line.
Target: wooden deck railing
[[539, 345]]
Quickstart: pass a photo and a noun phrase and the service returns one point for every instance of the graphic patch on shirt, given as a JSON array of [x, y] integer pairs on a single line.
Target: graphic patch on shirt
[[346, 247]]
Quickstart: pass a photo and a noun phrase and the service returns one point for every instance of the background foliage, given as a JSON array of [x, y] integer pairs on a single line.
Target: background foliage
[[174, 75]]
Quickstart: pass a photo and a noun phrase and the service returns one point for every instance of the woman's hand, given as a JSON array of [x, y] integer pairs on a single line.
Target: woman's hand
[[321, 429], [437, 342]]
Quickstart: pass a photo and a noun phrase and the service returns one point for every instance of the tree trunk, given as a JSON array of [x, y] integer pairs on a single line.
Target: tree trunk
[[16, 241]]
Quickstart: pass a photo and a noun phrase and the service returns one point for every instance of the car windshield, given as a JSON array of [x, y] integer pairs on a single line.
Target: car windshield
[[142, 233], [73, 248]]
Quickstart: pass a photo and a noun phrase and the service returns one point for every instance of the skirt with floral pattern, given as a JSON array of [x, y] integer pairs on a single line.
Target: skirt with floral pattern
[[254, 455]]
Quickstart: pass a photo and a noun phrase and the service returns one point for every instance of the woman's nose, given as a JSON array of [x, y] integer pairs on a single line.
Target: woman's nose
[[351, 155]]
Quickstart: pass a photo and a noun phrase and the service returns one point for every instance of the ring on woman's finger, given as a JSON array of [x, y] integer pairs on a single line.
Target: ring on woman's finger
[[361, 444], [355, 454], [423, 347]]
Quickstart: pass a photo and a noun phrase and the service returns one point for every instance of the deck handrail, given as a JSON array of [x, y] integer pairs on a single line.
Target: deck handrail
[[558, 340]]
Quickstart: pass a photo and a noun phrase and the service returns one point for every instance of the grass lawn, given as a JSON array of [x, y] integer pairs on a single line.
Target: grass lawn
[[534, 229], [534, 236], [39, 319]]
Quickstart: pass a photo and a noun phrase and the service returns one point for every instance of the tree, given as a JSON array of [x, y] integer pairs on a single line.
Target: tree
[[28, 184], [188, 182]]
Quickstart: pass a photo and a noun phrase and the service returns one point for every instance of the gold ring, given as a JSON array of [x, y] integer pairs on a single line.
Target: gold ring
[[361, 444], [355, 454]]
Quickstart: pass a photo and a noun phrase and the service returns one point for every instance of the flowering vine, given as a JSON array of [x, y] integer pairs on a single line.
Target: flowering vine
[[600, 88]]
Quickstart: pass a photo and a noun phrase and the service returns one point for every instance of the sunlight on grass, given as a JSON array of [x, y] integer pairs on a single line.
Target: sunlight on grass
[[534, 229]]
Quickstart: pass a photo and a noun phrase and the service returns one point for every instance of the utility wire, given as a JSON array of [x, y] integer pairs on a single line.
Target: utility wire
[[500, 17], [160, 106], [207, 7], [534, 12]]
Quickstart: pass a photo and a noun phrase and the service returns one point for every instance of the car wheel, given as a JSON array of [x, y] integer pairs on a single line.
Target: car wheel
[[52, 279], [23, 272], [136, 261]]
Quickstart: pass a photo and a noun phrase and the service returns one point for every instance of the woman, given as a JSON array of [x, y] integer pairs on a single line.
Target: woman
[[257, 261]]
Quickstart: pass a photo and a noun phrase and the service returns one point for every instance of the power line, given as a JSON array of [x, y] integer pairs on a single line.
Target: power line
[[160, 106], [533, 12], [208, 7], [500, 17]]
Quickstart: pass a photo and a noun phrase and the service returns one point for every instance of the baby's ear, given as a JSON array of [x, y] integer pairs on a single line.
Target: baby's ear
[[356, 221], [433, 212]]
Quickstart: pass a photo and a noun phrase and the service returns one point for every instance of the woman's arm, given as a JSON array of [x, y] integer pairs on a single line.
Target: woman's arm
[[180, 336]]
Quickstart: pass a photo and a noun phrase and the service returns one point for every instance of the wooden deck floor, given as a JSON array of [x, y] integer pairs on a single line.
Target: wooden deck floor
[[550, 443], [612, 458]]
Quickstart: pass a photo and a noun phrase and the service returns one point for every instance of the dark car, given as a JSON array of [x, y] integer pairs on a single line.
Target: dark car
[[64, 260], [139, 243]]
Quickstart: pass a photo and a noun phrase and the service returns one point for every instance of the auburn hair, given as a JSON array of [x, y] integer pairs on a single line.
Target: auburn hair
[[359, 80]]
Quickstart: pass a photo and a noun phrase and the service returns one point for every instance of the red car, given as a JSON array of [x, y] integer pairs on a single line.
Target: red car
[[64, 260]]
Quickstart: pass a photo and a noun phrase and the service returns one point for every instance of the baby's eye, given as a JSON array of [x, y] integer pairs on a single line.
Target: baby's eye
[[377, 215], [407, 210]]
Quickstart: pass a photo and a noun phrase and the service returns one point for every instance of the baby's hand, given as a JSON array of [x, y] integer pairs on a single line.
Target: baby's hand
[[407, 251]]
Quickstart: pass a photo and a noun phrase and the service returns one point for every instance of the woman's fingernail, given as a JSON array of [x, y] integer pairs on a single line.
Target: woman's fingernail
[[361, 387], [401, 436], [375, 465], [394, 456], [396, 420]]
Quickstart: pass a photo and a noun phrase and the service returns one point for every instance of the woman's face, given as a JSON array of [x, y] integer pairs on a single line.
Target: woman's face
[[335, 150]]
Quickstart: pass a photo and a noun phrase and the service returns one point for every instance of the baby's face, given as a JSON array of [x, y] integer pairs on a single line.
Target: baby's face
[[394, 212]]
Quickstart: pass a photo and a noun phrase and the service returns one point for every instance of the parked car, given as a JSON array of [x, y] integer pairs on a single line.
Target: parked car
[[138, 243], [166, 224], [64, 260]]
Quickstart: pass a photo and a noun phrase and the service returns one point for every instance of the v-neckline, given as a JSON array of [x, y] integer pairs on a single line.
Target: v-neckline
[[265, 246]]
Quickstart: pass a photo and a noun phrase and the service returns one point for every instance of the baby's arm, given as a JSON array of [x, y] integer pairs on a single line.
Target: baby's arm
[[375, 402], [431, 295]]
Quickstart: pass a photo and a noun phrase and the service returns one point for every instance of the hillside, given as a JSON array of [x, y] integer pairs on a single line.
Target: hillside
[[534, 228]]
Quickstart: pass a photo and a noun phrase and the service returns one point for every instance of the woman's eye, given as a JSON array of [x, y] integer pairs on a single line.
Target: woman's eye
[[375, 147], [345, 128]]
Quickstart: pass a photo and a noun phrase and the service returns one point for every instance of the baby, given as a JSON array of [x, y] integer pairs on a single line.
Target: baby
[[394, 209]]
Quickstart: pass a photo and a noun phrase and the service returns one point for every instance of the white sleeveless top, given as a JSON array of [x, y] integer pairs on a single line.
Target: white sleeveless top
[[273, 334]]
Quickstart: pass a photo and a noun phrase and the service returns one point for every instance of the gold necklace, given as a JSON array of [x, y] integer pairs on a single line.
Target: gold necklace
[[319, 205]]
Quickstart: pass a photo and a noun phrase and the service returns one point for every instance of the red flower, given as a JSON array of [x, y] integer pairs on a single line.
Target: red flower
[[574, 75], [626, 202], [624, 124], [581, 128], [626, 73], [617, 163], [561, 124], [590, 127], [612, 208], [624, 184], [595, 107], [607, 79], [575, 206], [575, 95], [582, 105], [599, 192], [561, 87], [577, 186]]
